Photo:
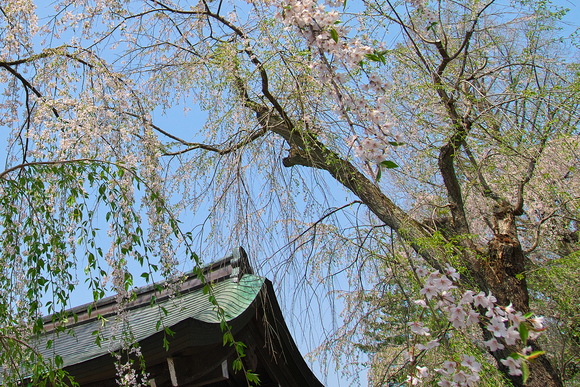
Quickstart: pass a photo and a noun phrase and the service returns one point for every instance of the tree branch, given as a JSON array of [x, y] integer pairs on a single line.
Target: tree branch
[[307, 151]]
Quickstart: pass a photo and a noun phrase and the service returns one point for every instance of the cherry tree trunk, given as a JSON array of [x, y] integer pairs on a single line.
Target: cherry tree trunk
[[503, 271]]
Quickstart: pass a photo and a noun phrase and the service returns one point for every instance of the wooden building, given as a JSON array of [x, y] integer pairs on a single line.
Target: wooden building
[[196, 355]]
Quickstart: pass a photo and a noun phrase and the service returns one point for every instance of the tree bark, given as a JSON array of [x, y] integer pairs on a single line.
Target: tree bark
[[503, 268]]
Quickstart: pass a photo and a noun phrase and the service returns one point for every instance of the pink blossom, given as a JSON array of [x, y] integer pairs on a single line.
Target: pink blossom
[[421, 303], [509, 309], [493, 344], [418, 328], [472, 317], [456, 316], [471, 363], [430, 345], [422, 372], [421, 271], [516, 318], [473, 379], [442, 283], [512, 335], [480, 299], [451, 272], [446, 383], [455, 312], [447, 297], [497, 327], [513, 364], [460, 377], [467, 297], [495, 311], [449, 366], [537, 322], [429, 291]]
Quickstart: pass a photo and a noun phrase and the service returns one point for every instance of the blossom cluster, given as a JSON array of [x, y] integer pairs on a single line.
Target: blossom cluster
[[426, 14], [127, 374], [461, 311], [370, 148], [324, 31]]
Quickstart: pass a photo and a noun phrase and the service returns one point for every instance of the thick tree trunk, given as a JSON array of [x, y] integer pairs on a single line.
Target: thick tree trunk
[[503, 270]]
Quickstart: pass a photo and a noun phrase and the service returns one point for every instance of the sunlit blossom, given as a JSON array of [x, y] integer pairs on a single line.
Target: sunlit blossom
[[493, 344]]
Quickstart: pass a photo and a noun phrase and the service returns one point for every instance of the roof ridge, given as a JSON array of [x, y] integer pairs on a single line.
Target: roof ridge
[[232, 266]]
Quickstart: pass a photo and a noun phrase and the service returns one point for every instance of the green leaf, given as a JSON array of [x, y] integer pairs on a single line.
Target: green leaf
[[524, 333], [240, 347], [373, 57], [227, 338], [432, 25], [394, 143], [535, 355], [377, 56], [334, 35], [252, 377], [237, 365], [70, 201], [525, 371], [389, 164]]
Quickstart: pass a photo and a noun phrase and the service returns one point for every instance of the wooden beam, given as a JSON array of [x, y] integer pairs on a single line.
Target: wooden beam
[[172, 373]]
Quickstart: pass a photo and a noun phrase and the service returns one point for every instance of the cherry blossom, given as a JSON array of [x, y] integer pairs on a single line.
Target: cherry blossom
[[493, 344], [497, 327], [502, 322], [418, 328], [430, 345], [513, 364], [469, 362]]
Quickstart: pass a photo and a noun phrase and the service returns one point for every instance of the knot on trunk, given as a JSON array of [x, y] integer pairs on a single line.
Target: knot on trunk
[[503, 220], [506, 271]]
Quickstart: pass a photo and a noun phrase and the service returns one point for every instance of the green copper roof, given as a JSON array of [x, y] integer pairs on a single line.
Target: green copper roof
[[95, 330], [77, 344]]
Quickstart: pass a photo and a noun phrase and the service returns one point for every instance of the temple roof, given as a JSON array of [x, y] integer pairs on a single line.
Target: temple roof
[[188, 324]]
